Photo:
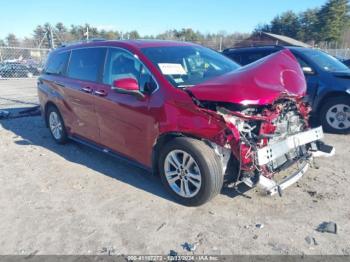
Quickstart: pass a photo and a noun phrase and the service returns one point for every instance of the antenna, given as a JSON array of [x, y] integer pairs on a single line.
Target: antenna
[[87, 33]]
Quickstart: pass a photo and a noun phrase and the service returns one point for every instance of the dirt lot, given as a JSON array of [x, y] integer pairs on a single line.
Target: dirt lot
[[73, 200]]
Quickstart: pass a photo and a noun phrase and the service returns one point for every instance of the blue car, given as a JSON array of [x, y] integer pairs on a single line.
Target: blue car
[[328, 82], [347, 62]]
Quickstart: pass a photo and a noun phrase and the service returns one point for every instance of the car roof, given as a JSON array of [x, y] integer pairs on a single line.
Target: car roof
[[136, 44]]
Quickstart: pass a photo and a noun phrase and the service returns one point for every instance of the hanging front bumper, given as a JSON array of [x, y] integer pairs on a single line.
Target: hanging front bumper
[[278, 149]]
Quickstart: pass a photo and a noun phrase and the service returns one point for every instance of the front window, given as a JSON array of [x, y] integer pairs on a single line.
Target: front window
[[185, 66], [325, 61], [122, 64]]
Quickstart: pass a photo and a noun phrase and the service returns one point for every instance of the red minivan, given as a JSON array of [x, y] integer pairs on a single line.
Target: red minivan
[[186, 112]]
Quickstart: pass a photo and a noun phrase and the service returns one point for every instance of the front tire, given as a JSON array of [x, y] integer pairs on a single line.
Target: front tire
[[190, 171], [56, 125], [335, 115]]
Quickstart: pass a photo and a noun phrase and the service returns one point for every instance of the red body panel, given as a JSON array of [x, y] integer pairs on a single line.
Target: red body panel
[[131, 125], [259, 83]]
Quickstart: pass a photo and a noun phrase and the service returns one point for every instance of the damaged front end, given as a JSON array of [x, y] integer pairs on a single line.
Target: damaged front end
[[267, 121], [267, 140]]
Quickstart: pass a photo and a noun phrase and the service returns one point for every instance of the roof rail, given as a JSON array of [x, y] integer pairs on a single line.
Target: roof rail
[[251, 46], [82, 41], [262, 46]]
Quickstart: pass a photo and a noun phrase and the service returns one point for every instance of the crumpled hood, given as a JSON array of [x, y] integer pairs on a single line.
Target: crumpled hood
[[259, 83]]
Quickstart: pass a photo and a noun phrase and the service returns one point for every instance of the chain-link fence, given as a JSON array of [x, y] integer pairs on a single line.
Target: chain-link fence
[[20, 62], [340, 53]]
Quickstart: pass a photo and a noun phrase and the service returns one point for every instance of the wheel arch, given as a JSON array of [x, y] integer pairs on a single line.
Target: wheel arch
[[47, 105], [330, 95], [160, 142]]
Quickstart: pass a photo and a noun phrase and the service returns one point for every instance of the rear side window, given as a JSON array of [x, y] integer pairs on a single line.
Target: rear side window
[[86, 64], [57, 63]]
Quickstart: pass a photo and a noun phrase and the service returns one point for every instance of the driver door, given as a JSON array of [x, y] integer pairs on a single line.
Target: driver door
[[126, 124]]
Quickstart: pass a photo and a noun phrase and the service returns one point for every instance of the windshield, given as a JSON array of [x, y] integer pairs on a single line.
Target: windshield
[[325, 61], [185, 66]]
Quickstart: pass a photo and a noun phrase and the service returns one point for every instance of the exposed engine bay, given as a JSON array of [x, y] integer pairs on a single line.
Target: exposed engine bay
[[265, 121], [266, 140]]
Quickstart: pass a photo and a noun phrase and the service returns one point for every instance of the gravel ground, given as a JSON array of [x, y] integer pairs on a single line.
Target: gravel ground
[[18, 93], [73, 200]]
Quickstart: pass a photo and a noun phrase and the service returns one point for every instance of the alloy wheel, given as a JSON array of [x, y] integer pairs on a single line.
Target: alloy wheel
[[182, 173], [56, 126]]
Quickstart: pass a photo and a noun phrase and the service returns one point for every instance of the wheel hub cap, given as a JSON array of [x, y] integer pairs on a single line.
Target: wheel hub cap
[[341, 116], [182, 173], [338, 116]]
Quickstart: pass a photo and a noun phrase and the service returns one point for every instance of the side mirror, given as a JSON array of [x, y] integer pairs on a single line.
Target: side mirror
[[127, 85], [308, 70]]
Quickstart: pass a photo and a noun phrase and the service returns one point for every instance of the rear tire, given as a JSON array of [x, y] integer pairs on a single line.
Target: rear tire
[[197, 177], [56, 125], [335, 115]]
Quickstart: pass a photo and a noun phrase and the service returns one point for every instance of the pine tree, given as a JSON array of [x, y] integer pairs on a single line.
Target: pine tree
[[12, 40], [333, 19], [286, 24], [308, 21]]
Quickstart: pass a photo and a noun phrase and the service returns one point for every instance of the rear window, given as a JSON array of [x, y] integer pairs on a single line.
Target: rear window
[[252, 57], [56, 63], [235, 57], [86, 64], [245, 58]]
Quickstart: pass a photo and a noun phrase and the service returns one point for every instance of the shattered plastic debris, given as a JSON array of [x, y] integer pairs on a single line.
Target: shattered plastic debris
[[107, 251], [312, 193], [259, 225], [161, 226], [172, 253], [329, 227], [311, 240], [190, 247]]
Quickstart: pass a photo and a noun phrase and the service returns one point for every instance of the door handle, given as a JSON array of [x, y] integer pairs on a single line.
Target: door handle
[[86, 89], [100, 93]]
